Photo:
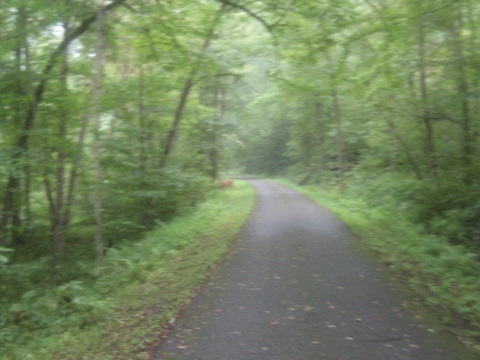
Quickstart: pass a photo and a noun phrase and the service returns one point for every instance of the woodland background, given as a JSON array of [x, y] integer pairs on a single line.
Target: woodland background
[[118, 116]]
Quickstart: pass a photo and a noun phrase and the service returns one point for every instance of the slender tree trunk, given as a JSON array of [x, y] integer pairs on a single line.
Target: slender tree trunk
[[58, 218], [11, 221], [339, 137], [12, 195], [472, 17], [74, 172], [321, 131], [141, 119], [337, 116], [214, 151], [9, 207], [172, 135], [21, 65], [463, 92], [99, 65], [27, 93], [28, 175], [322, 164], [391, 148], [187, 87], [49, 193], [429, 146], [408, 154]]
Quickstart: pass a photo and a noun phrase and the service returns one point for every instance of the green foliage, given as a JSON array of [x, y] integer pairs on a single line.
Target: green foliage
[[3, 256], [444, 276], [379, 97], [450, 209], [446, 207], [123, 305], [268, 154], [20, 278], [139, 200]]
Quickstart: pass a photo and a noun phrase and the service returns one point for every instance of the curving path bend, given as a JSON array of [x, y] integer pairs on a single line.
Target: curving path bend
[[295, 287]]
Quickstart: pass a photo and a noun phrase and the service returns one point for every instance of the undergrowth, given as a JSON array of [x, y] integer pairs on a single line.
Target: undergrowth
[[121, 309], [444, 276]]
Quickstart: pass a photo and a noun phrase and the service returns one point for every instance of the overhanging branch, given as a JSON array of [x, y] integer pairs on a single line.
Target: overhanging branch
[[249, 12], [215, 76], [40, 89]]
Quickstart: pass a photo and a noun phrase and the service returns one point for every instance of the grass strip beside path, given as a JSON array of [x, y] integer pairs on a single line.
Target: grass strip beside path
[[444, 277], [143, 286]]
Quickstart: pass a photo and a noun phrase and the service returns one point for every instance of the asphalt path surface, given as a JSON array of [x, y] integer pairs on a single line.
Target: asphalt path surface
[[295, 287]]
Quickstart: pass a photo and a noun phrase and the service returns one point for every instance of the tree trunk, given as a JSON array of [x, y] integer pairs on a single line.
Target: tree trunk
[[11, 202], [74, 172], [141, 120], [472, 18], [23, 27], [405, 148], [58, 216], [99, 65], [187, 87], [339, 136], [463, 92], [337, 117], [429, 145], [214, 150], [391, 149], [11, 221], [172, 135], [320, 126]]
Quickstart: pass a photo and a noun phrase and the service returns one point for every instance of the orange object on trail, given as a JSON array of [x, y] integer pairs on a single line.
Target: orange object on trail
[[226, 183]]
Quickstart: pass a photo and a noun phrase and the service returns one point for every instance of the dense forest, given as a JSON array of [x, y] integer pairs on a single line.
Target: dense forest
[[117, 116]]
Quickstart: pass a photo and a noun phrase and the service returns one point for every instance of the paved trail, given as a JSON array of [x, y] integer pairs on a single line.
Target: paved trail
[[296, 288]]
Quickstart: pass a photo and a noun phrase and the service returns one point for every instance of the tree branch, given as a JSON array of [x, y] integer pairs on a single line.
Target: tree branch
[[129, 7], [40, 89], [215, 76], [249, 12], [433, 116]]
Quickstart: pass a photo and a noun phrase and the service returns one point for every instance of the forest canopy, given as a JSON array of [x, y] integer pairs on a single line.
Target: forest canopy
[[116, 116], [118, 103]]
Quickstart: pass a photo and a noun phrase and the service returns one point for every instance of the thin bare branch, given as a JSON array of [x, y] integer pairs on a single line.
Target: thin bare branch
[[249, 12]]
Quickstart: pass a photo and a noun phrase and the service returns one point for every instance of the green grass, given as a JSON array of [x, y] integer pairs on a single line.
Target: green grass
[[121, 312], [445, 277]]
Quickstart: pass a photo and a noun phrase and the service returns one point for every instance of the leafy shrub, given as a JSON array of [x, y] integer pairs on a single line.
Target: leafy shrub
[[444, 206], [137, 202], [3, 256], [450, 209], [445, 276], [25, 276]]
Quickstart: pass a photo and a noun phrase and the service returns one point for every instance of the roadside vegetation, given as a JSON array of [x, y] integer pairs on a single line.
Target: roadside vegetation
[[444, 276], [119, 309], [117, 115]]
